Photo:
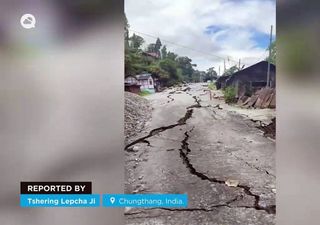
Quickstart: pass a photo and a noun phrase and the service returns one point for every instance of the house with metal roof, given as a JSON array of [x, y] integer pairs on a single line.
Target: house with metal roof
[[252, 78], [131, 84], [146, 82]]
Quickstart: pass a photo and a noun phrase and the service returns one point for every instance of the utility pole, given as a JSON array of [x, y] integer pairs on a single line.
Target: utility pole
[[239, 64], [219, 70], [224, 65], [268, 73]]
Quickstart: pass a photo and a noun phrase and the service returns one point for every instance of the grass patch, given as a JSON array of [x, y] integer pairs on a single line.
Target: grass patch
[[212, 86], [144, 93], [230, 95]]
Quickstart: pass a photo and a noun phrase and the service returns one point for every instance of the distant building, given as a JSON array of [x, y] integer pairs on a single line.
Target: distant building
[[250, 79], [221, 81], [151, 55], [157, 85], [146, 82], [131, 84]]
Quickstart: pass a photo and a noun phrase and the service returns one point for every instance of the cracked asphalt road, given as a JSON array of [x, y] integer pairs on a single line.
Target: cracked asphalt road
[[191, 146]]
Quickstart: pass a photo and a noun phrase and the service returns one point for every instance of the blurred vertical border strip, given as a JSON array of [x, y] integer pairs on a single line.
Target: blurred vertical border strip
[[298, 111]]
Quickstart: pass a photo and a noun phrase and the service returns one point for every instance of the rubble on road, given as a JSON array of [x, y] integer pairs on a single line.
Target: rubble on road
[[263, 98], [137, 112], [270, 129], [232, 183]]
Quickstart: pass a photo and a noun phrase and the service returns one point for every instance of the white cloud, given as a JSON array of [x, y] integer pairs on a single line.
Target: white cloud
[[185, 22]]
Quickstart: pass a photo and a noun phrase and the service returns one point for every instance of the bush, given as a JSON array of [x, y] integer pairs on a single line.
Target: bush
[[212, 86], [144, 93], [230, 95]]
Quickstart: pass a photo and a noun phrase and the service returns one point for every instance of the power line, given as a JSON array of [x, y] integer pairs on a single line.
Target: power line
[[183, 46], [228, 58]]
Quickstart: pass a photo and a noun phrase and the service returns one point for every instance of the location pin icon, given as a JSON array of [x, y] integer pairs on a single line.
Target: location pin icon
[[112, 200]]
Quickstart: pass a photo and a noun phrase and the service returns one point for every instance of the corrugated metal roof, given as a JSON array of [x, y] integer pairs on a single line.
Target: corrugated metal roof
[[144, 76]]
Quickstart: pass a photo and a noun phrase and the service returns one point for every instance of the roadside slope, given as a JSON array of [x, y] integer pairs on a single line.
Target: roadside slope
[[137, 112]]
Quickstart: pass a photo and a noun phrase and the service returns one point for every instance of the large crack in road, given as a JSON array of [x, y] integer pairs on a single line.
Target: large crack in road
[[184, 152], [197, 105], [201, 209], [180, 122]]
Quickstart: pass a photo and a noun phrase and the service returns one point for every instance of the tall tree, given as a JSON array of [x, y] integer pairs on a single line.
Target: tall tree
[[158, 45], [126, 32], [184, 63], [136, 41], [211, 74], [231, 70], [170, 66], [134, 62], [172, 55], [164, 52], [196, 76], [151, 47]]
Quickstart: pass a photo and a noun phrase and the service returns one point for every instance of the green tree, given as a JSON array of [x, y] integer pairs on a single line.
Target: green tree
[[170, 69], [158, 45], [164, 71], [126, 32], [231, 70], [196, 76], [211, 74], [133, 57], [134, 62], [155, 47], [136, 41], [169, 66], [164, 52], [172, 55], [184, 63], [273, 55], [151, 47]]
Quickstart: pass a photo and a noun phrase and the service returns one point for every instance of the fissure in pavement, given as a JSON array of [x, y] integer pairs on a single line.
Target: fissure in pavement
[[170, 99], [197, 101], [185, 150], [211, 208], [181, 121]]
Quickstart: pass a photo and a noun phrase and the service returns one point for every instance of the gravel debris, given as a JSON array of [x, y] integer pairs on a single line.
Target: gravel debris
[[137, 112]]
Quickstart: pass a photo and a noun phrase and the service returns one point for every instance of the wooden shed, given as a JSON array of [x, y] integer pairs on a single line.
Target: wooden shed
[[251, 79], [221, 81]]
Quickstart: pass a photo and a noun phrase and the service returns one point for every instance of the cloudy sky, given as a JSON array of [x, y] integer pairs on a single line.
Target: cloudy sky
[[207, 31]]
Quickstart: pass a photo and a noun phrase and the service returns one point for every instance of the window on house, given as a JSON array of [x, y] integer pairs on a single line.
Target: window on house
[[150, 82]]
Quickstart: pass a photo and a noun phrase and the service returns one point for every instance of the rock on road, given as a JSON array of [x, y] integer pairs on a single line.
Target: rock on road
[[193, 146]]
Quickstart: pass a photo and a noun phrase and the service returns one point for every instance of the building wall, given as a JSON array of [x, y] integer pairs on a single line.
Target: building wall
[[131, 80], [134, 89], [147, 84], [247, 84]]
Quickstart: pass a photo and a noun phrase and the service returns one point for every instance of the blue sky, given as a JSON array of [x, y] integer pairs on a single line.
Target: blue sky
[[260, 39], [214, 29], [224, 29]]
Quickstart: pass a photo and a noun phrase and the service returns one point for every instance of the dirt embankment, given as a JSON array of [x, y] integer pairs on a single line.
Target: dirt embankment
[[137, 112]]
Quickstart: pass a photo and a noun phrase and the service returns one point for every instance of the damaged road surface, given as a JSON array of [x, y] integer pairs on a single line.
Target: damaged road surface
[[192, 147]]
